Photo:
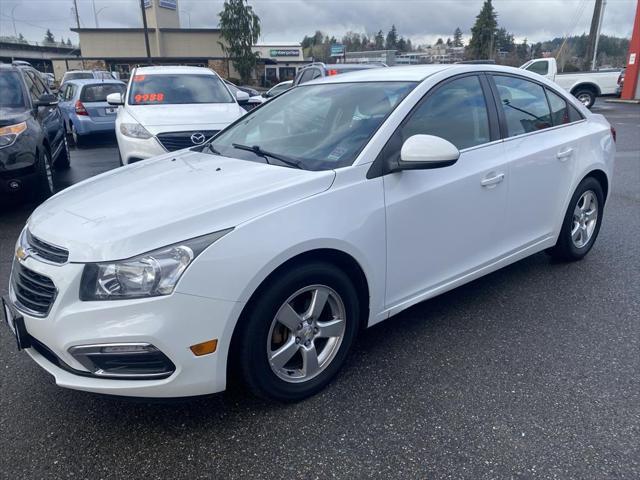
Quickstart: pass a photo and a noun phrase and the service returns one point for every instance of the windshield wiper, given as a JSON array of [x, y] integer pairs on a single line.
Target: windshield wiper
[[264, 154]]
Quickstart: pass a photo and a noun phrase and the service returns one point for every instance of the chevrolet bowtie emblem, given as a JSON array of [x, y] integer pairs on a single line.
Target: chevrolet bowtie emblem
[[21, 254]]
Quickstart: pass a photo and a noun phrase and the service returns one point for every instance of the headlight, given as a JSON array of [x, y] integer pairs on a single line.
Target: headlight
[[149, 275], [134, 130], [9, 133]]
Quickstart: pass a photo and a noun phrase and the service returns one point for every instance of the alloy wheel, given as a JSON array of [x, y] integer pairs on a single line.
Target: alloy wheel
[[585, 218], [306, 333]]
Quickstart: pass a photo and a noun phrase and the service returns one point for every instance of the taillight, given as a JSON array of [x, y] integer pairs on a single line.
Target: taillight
[[332, 72], [80, 110], [613, 133]]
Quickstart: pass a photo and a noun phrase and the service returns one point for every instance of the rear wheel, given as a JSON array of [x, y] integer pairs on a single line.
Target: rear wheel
[[586, 96], [581, 222], [298, 332]]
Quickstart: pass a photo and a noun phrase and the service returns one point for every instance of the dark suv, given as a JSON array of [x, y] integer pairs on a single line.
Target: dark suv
[[318, 70], [32, 135]]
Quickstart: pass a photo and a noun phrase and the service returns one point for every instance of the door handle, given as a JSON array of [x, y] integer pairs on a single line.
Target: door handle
[[564, 154], [493, 180]]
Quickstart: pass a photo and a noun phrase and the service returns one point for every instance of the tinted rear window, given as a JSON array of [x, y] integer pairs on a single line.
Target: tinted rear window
[[11, 92], [174, 89], [99, 92]]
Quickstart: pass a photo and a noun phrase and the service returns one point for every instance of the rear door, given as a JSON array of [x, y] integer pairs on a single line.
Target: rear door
[[541, 146], [94, 98]]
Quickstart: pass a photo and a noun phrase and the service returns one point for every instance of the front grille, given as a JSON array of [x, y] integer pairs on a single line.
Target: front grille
[[173, 141], [35, 293], [46, 251]]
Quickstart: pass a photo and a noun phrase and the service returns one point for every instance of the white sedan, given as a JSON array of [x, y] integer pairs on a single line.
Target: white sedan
[[259, 256], [170, 108]]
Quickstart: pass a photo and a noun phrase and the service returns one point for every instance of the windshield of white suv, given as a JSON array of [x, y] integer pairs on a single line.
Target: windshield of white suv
[[175, 89], [315, 127]]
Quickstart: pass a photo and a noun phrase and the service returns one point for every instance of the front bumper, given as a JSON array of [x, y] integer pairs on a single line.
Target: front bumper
[[135, 149], [172, 324]]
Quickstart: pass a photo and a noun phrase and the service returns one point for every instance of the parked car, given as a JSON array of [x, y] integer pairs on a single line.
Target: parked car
[[259, 255], [85, 109], [320, 70], [86, 74], [585, 86], [170, 108], [248, 104], [621, 82], [32, 136], [278, 89]]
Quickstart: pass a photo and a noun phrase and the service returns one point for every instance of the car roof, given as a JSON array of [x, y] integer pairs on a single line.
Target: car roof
[[93, 81], [417, 73], [159, 70]]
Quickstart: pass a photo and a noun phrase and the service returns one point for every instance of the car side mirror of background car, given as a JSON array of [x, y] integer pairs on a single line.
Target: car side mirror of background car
[[421, 152], [242, 97], [47, 100], [115, 99]]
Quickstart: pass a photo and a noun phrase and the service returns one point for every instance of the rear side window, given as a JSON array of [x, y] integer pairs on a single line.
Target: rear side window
[[524, 104], [559, 109], [456, 111], [99, 92], [541, 68]]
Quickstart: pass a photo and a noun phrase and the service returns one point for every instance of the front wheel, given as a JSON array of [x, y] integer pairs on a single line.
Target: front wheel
[[298, 332], [43, 187], [581, 223]]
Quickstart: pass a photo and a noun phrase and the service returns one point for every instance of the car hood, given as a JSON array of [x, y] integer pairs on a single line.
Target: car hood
[[10, 116], [203, 116], [165, 200]]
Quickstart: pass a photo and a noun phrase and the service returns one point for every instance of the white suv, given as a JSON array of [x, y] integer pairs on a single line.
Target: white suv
[[170, 108]]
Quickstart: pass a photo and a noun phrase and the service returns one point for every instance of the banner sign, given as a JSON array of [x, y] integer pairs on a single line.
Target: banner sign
[[284, 52], [170, 4], [337, 50]]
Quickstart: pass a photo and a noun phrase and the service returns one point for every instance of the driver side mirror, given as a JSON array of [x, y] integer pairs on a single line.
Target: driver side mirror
[[422, 152], [115, 99], [47, 100], [242, 97]]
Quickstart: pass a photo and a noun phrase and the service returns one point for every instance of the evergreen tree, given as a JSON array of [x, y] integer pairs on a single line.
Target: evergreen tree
[[392, 39], [402, 45], [483, 33], [48, 37], [379, 40], [21, 38], [69, 44], [240, 30], [440, 41], [457, 37]]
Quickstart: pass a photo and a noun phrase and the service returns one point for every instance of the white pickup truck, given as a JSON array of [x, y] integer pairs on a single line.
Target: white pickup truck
[[585, 86]]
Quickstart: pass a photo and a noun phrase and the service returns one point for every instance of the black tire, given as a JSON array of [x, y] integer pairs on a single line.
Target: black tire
[[565, 248], [586, 95], [43, 187], [251, 352], [63, 162]]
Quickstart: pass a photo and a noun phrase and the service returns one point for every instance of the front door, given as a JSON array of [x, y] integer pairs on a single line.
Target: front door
[[445, 223]]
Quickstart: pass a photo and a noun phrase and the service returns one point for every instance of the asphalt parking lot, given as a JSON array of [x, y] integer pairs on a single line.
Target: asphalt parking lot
[[530, 372]]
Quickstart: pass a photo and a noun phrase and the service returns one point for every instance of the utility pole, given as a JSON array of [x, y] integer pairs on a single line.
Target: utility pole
[[95, 15], [594, 34], [75, 10], [146, 31]]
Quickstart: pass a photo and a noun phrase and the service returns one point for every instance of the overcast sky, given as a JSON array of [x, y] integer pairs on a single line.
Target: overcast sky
[[289, 20]]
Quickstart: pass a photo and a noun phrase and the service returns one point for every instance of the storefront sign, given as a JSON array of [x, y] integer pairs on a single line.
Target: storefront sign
[[170, 4], [284, 52]]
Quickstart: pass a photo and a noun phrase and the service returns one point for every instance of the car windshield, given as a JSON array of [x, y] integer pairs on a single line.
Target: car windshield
[[77, 75], [175, 89], [319, 127], [99, 91], [11, 93]]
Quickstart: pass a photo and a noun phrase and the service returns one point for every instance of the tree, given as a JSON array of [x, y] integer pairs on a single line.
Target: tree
[[449, 44], [21, 38], [69, 42], [483, 33], [457, 37], [440, 41], [402, 45], [379, 40], [240, 30], [48, 37], [392, 39]]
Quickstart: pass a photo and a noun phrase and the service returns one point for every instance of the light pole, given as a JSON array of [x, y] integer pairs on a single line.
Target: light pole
[[98, 13], [13, 18]]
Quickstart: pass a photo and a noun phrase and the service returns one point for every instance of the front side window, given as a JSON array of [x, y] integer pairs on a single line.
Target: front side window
[[524, 105], [455, 111], [319, 127], [11, 92], [34, 92], [177, 89], [99, 92]]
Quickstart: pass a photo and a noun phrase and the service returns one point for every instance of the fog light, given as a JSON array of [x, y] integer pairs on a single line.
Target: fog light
[[204, 348]]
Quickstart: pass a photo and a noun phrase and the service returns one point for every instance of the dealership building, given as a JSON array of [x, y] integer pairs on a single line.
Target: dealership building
[[122, 49]]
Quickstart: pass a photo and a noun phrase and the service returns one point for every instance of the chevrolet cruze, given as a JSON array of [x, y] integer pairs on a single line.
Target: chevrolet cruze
[[259, 255]]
